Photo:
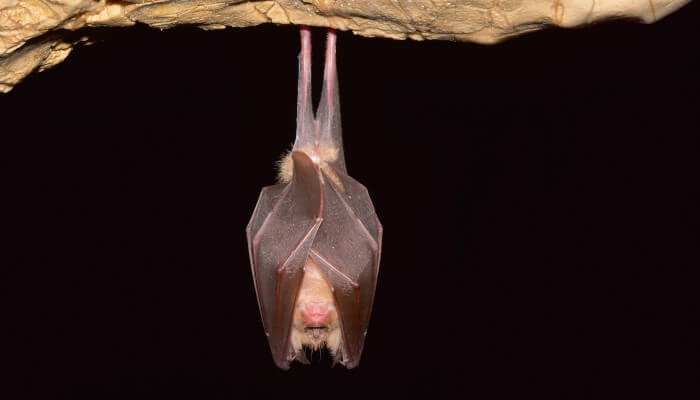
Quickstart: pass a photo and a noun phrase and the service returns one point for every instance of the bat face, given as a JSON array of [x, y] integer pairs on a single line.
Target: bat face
[[315, 323], [314, 240]]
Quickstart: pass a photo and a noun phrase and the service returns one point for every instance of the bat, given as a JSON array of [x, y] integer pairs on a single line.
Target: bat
[[314, 239]]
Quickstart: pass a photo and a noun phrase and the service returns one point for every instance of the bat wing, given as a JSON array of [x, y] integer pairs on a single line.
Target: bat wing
[[336, 226], [348, 244], [347, 248], [280, 234]]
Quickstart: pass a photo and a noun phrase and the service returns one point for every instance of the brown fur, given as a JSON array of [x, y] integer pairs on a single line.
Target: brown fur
[[326, 155]]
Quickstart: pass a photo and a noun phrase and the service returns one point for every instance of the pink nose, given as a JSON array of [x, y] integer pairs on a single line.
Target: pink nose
[[315, 314]]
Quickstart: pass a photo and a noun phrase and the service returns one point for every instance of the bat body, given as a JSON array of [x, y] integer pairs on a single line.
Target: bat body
[[314, 240]]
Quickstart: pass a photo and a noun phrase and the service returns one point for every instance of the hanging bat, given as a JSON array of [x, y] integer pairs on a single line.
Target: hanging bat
[[314, 239]]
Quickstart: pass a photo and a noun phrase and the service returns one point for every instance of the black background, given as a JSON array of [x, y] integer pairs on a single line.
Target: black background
[[539, 198]]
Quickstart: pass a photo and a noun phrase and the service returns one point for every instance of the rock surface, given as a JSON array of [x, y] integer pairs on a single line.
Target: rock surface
[[33, 32]]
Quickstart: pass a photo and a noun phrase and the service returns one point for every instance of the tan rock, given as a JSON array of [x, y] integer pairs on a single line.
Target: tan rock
[[482, 21]]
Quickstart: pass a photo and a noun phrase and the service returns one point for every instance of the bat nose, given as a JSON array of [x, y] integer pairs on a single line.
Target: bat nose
[[315, 314], [316, 331]]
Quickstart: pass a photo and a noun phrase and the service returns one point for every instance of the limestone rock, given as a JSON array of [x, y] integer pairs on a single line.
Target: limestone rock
[[28, 40]]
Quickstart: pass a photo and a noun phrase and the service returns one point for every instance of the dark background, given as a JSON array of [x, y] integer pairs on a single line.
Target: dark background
[[539, 198]]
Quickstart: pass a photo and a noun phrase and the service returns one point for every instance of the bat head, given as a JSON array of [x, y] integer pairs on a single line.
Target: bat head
[[315, 323]]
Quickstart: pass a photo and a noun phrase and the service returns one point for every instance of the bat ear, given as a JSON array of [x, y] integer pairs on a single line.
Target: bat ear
[[301, 357]]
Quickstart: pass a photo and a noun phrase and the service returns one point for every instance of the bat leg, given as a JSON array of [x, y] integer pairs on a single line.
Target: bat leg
[[319, 134], [330, 72], [328, 115], [305, 133]]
